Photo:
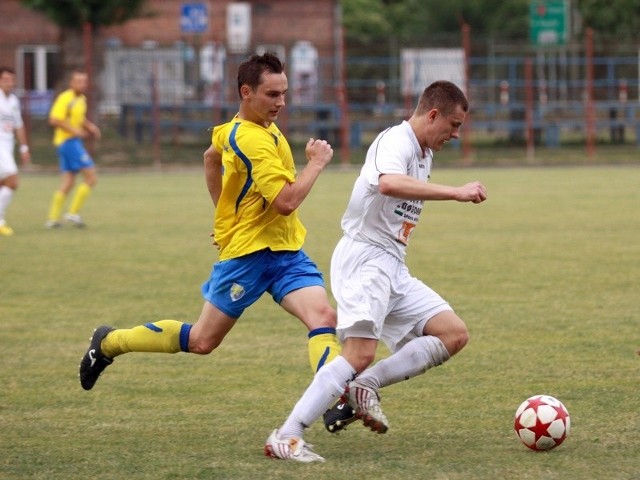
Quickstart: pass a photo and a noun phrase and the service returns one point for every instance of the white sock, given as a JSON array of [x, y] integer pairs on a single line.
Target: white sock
[[6, 194], [327, 385], [415, 358]]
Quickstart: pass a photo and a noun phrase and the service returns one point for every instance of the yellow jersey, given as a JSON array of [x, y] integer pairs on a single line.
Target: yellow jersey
[[256, 164], [71, 107]]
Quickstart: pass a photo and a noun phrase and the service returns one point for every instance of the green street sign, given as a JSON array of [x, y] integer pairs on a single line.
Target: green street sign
[[549, 22]]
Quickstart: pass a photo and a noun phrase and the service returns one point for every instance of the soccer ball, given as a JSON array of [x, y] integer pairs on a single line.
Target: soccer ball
[[542, 422]]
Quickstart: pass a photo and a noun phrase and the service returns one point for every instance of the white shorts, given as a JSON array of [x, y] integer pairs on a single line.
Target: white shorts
[[377, 297], [8, 165]]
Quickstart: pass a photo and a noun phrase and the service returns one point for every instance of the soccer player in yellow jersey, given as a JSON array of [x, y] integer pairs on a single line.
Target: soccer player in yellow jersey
[[68, 116], [253, 183]]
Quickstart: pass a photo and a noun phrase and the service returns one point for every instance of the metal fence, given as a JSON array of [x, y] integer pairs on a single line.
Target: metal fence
[[173, 92], [557, 89]]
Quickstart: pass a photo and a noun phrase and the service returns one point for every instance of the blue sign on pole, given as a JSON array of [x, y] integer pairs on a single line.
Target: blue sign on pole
[[194, 18]]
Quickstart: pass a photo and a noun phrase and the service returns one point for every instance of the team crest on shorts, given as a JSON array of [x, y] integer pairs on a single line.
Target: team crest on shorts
[[236, 292]]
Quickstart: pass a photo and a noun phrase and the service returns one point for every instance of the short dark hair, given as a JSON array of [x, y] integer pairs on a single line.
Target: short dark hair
[[77, 71], [4, 70], [250, 71], [444, 96]]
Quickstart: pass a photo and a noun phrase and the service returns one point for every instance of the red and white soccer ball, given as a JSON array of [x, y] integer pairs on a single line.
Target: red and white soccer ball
[[542, 422]]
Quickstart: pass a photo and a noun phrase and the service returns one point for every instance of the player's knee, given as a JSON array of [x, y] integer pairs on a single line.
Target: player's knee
[[457, 340], [329, 316], [11, 182]]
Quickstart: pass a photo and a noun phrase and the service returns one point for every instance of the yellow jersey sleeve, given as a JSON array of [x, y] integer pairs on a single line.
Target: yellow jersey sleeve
[[257, 163]]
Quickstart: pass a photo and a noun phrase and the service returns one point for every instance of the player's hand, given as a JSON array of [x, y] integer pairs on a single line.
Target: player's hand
[[95, 132], [472, 192], [26, 159], [213, 242], [318, 151]]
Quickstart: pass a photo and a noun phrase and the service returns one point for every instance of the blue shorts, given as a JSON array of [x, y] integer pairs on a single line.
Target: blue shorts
[[237, 283], [73, 156]]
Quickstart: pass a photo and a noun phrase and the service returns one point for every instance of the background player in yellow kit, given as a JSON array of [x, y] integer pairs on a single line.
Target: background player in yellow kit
[[252, 180], [68, 116]]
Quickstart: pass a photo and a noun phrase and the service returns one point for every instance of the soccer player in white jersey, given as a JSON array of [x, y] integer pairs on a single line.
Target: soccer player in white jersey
[[11, 126], [377, 297]]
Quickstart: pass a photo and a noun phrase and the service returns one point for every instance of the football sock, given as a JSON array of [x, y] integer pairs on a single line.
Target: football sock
[[55, 210], [327, 386], [323, 347], [79, 197], [415, 358], [6, 194], [164, 336]]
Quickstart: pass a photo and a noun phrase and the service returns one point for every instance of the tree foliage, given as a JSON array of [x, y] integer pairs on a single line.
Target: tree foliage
[[75, 13], [409, 19], [502, 20], [365, 19], [614, 19]]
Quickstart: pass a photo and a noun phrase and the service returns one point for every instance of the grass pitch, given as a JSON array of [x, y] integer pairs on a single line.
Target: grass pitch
[[545, 273]]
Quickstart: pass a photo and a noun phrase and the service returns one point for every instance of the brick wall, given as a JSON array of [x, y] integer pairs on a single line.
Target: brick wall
[[280, 23], [21, 25], [273, 22]]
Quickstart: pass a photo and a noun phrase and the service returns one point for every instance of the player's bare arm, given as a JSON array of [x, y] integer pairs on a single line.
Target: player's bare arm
[[409, 188], [93, 129], [25, 154], [213, 173], [319, 153]]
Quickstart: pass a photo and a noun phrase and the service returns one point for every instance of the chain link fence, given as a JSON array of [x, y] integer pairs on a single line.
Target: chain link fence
[[157, 102]]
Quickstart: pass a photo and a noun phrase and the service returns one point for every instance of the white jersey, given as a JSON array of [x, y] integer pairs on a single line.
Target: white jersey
[[378, 219], [10, 120]]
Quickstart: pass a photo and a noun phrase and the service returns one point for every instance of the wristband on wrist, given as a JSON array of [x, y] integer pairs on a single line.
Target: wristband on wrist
[[24, 148]]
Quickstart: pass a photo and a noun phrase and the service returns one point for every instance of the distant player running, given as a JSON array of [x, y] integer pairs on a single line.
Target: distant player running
[[252, 180], [68, 116]]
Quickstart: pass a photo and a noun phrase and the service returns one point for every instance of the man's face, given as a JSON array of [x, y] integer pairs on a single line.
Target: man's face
[[79, 82], [7, 82], [444, 127], [264, 104]]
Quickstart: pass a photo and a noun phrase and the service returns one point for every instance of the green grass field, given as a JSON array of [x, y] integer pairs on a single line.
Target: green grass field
[[545, 273]]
